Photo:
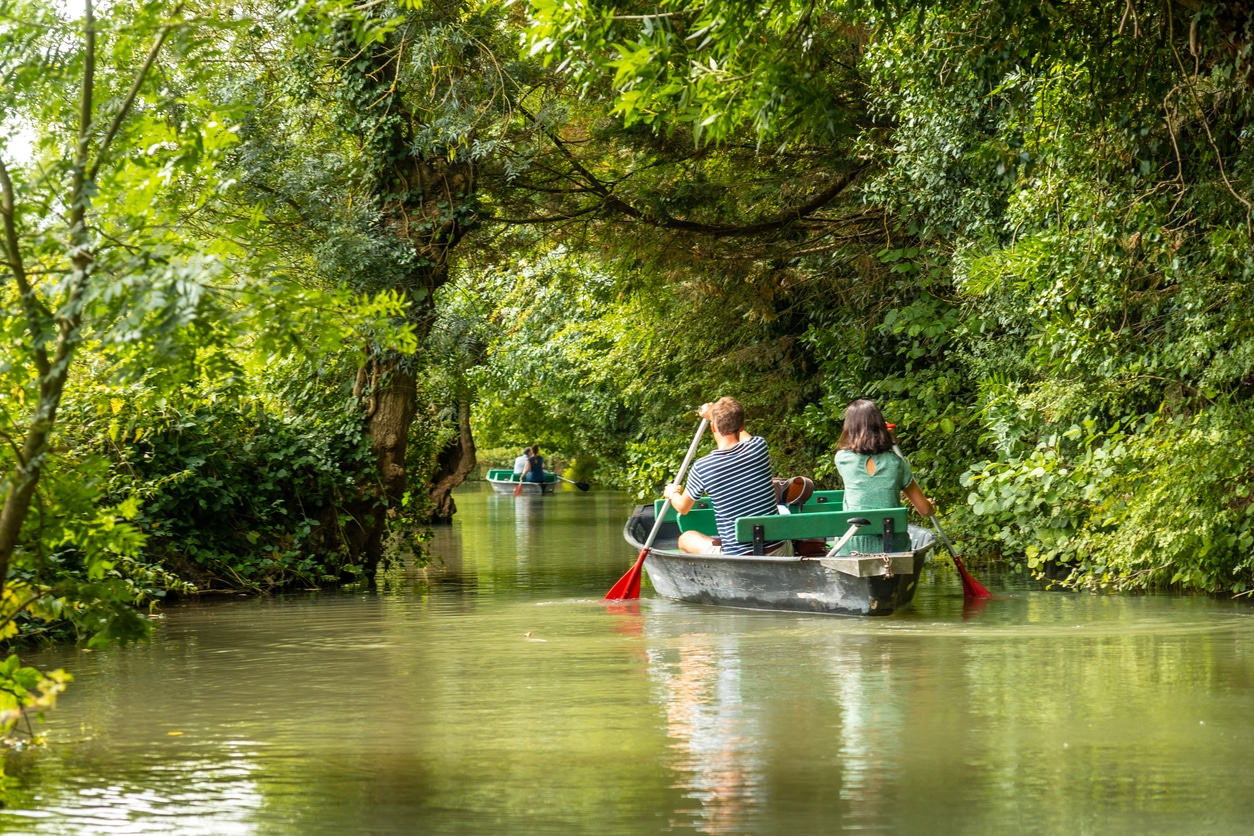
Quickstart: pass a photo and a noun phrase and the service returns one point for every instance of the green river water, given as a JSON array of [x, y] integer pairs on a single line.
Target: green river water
[[496, 693]]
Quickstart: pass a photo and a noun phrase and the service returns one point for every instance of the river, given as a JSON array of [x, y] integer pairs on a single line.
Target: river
[[495, 692]]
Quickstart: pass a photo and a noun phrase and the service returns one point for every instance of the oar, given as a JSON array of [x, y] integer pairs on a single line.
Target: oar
[[628, 585], [854, 525], [971, 588], [518, 488], [583, 486]]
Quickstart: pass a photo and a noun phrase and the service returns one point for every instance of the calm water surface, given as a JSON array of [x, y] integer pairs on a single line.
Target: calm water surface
[[497, 693]]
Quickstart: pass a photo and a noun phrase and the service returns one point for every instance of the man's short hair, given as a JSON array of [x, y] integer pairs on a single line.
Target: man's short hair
[[727, 416]]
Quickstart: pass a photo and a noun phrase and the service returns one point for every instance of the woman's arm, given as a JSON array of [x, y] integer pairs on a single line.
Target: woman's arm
[[920, 502]]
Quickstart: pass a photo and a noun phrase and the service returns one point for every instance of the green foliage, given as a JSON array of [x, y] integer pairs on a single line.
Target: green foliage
[[585, 363], [1058, 285], [233, 487], [130, 328], [716, 67], [1101, 255], [26, 692], [544, 379]]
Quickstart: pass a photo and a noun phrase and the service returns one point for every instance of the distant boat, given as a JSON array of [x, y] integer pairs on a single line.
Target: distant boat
[[850, 583], [504, 481]]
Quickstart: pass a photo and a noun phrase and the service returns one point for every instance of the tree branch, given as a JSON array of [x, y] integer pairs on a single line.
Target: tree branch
[[129, 101], [34, 310], [612, 202]]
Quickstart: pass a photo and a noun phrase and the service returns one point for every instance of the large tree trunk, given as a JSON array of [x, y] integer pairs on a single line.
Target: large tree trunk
[[427, 198], [455, 462], [390, 394]]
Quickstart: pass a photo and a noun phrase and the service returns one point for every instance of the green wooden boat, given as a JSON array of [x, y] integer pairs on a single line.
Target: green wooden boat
[[505, 481]]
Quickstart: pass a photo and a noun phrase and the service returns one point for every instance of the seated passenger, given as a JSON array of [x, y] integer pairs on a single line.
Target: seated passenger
[[874, 475], [737, 478], [520, 463], [534, 471]]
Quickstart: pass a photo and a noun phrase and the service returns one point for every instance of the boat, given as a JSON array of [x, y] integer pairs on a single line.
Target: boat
[[505, 481], [871, 583]]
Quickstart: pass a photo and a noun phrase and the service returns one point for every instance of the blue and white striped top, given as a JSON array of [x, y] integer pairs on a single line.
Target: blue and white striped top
[[738, 481]]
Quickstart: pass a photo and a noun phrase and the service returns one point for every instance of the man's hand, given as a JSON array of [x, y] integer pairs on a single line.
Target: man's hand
[[679, 500], [704, 411]]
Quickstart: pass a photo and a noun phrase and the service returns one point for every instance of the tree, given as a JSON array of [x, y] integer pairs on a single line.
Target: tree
[[71, 270]]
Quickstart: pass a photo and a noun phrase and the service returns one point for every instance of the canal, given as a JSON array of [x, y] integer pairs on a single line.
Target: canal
[[496, 692]]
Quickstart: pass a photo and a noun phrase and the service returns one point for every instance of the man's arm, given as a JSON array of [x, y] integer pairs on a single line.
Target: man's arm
[[678, 498]]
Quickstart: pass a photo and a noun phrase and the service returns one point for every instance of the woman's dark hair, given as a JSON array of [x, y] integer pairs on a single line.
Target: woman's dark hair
[[864, 431]]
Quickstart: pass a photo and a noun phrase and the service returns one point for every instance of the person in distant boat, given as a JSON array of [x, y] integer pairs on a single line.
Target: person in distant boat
[[520, 463], [534, 471], [874, 475], [737, 478]]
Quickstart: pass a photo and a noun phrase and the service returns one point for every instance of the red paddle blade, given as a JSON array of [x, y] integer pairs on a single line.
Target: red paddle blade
[[971, 588], [518, 489], [628, 585]]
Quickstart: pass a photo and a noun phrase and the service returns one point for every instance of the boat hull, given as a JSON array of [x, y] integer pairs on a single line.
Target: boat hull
[[860, 585], [528, 487]]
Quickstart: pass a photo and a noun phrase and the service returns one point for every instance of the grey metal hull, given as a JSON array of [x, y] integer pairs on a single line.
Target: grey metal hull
[[864, 585]]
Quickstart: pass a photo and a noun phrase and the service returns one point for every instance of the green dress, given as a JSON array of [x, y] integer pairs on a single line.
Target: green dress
[[864, 491]]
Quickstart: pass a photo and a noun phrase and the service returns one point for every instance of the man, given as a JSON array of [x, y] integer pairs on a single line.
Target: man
[[520, 463], [737, 478]]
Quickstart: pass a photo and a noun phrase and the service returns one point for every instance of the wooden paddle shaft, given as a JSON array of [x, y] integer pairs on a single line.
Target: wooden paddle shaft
[[683, 468]]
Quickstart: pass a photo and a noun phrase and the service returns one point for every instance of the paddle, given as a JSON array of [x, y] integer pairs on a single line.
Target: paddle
[[583, 486], [628, 585], [518, 488], [971, 588], [854, 525]]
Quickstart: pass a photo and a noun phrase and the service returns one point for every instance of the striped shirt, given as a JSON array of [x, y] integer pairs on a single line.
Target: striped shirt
[[738, 480]]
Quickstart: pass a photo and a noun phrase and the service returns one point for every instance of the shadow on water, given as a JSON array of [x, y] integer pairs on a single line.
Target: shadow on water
[[495, 691]]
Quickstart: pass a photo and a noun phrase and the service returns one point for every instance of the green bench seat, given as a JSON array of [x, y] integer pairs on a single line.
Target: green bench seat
[[820, 524], [701, 516], [821, 516], [823, 501], [502, 475]]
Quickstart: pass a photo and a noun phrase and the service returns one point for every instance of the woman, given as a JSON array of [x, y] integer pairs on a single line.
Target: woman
[[534, 471], [874, 475]]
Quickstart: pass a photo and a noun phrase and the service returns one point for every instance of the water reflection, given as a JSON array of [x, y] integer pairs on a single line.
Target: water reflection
[[699, 683], [495, 691], [871, 726]]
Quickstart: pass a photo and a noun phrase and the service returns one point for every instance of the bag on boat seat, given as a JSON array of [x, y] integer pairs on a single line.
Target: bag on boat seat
[[790, 495], [793, 493]]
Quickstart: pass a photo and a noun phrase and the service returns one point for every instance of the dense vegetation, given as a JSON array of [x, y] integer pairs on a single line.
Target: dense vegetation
[[275, 273]]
